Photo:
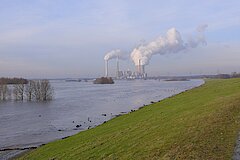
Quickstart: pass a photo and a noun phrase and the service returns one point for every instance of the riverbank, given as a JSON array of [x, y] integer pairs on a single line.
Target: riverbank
[[78, 107], [201, 123]]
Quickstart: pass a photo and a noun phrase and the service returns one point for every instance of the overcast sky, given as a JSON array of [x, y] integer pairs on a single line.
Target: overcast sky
[[69, 38]]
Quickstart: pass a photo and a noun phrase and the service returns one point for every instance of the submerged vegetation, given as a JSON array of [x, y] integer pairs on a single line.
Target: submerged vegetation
[[33, 90], [202, 123]]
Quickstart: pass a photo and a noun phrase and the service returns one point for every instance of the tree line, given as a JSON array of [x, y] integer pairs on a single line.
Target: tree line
[[13, 81], [34, 90]]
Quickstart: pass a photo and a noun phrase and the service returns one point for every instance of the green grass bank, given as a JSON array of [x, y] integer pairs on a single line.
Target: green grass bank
[[202, 123]]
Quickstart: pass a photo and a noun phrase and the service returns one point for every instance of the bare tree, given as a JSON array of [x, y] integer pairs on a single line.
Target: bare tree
[[46, 90], [3, 92], [42, 90], [37, 90], [30, 90], [18, 91]]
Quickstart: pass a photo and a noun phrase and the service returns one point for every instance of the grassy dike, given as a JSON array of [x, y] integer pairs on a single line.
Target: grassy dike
[[202, 123]]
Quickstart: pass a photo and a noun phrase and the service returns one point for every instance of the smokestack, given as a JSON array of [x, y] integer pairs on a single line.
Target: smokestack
[[106, 68], [143, 69], [139, 66], [117, 73]]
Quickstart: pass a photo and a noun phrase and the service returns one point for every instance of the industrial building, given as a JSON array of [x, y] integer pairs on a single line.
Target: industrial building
[[138, 74]]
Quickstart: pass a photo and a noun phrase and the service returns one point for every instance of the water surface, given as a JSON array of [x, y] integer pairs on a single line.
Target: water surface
[[24, 124]]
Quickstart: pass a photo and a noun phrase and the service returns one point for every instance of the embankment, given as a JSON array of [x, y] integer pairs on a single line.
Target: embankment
[[202, 123]]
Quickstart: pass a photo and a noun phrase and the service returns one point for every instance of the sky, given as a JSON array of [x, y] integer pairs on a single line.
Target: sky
[[60, 39]]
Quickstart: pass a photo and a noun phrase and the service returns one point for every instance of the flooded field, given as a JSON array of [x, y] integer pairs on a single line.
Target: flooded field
[[78, 106]]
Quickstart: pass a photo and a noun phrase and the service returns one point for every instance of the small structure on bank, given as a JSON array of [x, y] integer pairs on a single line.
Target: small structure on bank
[[104, 80]]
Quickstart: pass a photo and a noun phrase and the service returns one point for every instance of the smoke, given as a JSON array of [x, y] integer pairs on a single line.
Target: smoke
[[172, 42], [114, 54], [202, 28], [199, 38]]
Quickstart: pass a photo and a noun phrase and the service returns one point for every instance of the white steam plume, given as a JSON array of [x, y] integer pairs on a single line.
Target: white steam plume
[[114, 54], [194, 41], [202, 28], [170, 43]]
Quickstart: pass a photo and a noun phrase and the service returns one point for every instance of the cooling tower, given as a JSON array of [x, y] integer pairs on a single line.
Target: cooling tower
[[140, 69]]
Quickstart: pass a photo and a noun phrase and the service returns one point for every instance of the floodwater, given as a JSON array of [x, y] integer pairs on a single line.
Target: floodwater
[[25, 124]]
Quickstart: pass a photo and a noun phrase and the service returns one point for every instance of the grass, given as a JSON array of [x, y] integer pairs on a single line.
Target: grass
[[202, 123]]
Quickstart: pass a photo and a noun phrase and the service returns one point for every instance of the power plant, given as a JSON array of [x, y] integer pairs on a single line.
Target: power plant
[[170, 43], [138, 74]]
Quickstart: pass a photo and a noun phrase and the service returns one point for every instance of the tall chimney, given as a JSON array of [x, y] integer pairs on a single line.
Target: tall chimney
[[117, 73], [143, 69], [139, 66], [106, 68]]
